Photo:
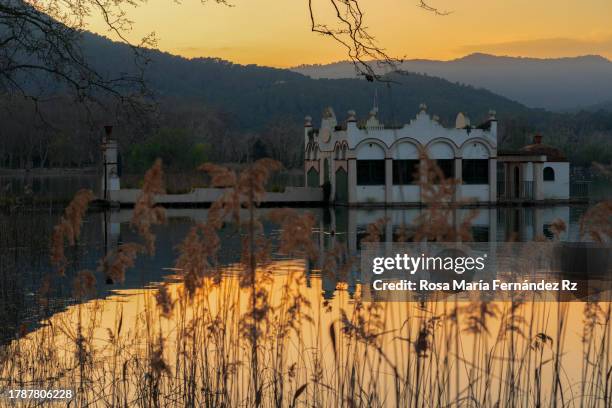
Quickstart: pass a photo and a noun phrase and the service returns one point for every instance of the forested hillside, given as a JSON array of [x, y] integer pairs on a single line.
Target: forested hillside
[[209, 109]]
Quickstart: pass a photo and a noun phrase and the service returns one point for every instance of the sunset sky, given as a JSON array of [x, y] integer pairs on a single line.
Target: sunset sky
[[277, 32]]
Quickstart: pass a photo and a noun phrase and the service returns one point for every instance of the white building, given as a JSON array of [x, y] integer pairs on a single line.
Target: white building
[[373, 164], [536, 172]]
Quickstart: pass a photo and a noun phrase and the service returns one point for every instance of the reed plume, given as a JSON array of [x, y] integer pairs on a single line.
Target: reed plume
[[69, 228], [146, 212]]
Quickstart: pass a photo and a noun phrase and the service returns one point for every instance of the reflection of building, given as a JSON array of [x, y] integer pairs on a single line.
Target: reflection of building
[[347, 227], [371, 163]]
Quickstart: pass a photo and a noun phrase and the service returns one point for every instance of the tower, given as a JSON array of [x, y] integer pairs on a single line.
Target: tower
[[110, 164]]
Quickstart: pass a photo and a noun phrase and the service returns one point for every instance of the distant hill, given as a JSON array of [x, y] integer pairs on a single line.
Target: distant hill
[[251, 98], [554, 84], [255, 95], [603, 106]]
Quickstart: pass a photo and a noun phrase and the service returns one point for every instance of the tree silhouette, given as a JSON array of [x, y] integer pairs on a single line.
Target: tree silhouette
[[40, 45]]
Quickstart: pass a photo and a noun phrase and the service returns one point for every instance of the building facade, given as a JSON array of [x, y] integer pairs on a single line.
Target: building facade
[[374, 164]]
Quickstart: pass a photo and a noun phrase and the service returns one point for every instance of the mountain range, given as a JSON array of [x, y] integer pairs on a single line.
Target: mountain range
[[555, 84], [255, 95], [252, 98]]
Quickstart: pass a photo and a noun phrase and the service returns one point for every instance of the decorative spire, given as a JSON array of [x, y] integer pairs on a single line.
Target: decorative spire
[[492, 114], [308, 121], [352, 116], [423, 107]]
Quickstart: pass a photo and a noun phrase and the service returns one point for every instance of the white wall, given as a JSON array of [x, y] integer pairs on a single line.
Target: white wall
[[478, 192], [475, 150], [370, 151], [440, 150], [404, 150], [370, 194], [560, 188], [406, 194]]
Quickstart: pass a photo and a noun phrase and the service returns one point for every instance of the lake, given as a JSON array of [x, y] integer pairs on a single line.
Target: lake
[[317, 341]]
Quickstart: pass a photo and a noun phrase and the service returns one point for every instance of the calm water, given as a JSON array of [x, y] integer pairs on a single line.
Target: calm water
[[25, 236], [25, 232], [24, 242]]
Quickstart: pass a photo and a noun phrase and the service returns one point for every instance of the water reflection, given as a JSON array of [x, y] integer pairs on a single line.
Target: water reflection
[[26, 263], [415, 345], [343, 227]]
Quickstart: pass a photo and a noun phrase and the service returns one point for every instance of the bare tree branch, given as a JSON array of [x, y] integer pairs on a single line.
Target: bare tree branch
[[352, 34], [425, 6]]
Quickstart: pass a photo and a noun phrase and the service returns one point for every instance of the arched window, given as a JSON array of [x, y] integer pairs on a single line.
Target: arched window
[[549, 174], [370, 165]]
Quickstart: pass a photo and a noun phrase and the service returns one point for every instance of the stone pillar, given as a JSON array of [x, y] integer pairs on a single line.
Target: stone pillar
[[458, 177], [352, 181], [538, 180], [492, 180], [388, 181], [110, 168]]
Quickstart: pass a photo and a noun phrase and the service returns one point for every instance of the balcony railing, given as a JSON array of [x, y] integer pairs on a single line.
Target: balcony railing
[[580, 189]]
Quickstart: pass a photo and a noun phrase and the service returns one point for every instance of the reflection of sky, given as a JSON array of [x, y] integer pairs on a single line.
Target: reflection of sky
[[400, 320], [334, 227]]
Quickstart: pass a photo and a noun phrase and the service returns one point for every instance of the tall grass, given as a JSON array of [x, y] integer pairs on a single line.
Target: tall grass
[[254, 334]]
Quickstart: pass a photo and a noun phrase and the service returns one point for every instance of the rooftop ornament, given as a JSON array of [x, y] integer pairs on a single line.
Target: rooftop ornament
[[352, 116]]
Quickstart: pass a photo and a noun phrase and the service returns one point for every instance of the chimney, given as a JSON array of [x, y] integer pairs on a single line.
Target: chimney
[[537, 139]]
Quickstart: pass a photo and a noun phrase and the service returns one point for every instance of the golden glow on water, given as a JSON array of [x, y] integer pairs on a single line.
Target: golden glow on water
[[328, 344]]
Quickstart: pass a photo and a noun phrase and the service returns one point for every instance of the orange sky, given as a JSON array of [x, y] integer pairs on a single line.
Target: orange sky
[[277, 32]]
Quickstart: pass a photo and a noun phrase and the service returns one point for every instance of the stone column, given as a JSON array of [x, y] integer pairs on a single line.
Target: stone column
[[538, 180], [458, 177], [388, 181], [492, 180], [352, 181], [110, 163]]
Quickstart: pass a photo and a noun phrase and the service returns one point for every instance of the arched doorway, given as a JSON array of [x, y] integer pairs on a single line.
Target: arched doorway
[[312, 178], [341, 186]]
